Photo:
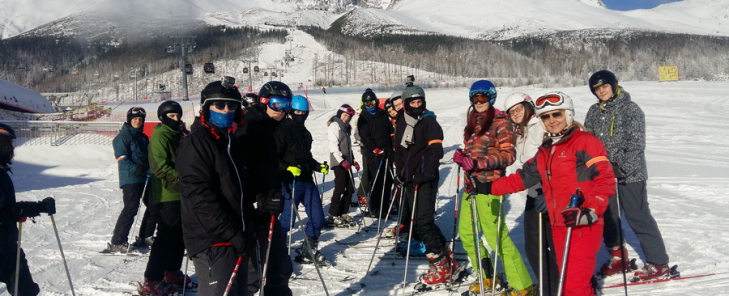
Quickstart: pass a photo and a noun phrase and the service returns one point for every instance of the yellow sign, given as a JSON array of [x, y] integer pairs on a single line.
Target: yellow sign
[[668, 73]]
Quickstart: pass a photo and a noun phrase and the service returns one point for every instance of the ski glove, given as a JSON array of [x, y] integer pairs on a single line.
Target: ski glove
[[324, 168], [48, 205], [239, 245], [296, 171], [618, 175], [378, 151], [540, 204], [345, 165], [579, 217], [356, 165], [465, 161], [272, 203], [421, 178]]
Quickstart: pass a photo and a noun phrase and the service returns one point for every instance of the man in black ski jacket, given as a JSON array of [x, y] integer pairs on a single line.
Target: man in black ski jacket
[[375, 130]]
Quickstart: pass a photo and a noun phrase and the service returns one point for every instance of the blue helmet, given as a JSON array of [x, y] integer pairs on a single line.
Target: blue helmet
[[484, 86], [300, 103]]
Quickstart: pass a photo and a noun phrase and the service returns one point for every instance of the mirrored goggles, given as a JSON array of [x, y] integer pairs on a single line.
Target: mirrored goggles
[[548, 100], [277, 103]]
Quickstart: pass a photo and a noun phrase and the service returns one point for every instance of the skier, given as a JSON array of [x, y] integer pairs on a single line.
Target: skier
[[130, 150], [341, 160], [393, 106], [374, 132], [165, 258], [488, 148], [216, 223], [418, 150], [620, 124], [299, 161], [11, 212], [262, 155], [529, 136], [568, 162]]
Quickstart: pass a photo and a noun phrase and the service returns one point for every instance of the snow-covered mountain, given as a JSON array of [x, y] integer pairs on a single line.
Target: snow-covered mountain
[[488, 19]]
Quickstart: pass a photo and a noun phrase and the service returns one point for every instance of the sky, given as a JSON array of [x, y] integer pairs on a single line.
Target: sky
[[634, 4]]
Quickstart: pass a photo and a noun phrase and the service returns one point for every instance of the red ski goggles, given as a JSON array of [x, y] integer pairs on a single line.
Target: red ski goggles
[[479, 97], [347, 110], [548, 100]]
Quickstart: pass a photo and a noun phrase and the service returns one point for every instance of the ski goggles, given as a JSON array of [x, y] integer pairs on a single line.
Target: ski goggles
[[277, 103], [138, 111], [370, 103], [220, 105], [347, 110], [548, 100], [556, 115], [479, 97]]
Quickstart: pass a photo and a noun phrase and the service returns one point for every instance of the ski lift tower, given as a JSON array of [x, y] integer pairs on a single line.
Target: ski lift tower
[[183, 44]]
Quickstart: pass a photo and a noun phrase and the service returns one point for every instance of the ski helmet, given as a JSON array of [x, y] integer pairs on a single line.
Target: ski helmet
[[603, 77], [7, 150], [169, 107], [555, 100], [251, 99], [518, 98], [6, 131], [345, 108], [300, 103], [136, 112], [408, 95], [274, 88], [219, 91], [483, 86]]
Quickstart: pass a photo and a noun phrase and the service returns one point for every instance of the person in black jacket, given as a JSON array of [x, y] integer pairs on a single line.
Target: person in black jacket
[[216, 223], [12, 211], [375, 129], [418, 150], [261, 155]]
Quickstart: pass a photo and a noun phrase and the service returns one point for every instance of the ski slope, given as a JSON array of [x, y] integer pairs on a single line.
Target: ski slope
[[688, 163]]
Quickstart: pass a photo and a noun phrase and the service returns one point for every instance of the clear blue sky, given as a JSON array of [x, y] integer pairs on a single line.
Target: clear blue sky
[[634, 4]]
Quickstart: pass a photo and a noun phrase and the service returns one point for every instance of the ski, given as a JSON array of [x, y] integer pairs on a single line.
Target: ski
[[672, 277]]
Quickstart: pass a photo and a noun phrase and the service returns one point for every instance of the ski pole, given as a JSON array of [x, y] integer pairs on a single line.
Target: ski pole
[[144, 191], [379, 237], [498, 243], [541, 257], [184, 281], [268, 253], [382, 196], [401, 190], [455, 211], [63, 257], [574, 202], [313, 256], [622, 239], [17, 258], [410, 239], [476, 240], [372, 189], [292, 222], [232, 277], [361, 221]]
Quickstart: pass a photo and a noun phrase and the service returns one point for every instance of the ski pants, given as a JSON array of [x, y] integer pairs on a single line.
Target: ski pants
[[279, 268], [149, 218], [584, 245], [634, 203], [487, 207], [168, 248], [343, 189], [131, 194], [26, 286], [424, 228], [531, 247], [307, 193], [214, 266], [379, 176]]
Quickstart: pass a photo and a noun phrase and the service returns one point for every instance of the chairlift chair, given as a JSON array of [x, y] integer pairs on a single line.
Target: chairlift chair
[[265, 73], [256, 69], [188, 69], [209, 68], [274, 74], [245, 70]]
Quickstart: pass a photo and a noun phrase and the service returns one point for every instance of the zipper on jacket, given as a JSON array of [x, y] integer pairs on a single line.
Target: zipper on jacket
[[612, 124], [240, 183]]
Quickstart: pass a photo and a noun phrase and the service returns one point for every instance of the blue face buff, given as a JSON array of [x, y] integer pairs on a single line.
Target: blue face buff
[[222, 120], [372, 110]]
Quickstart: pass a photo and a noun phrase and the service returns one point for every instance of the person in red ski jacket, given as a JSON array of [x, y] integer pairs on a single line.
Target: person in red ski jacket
[[570, 161]]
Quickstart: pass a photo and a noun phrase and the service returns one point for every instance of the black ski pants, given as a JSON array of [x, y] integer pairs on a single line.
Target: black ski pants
[[634, 203], [131, 194], [149, 219], [279, 268], [343, 189], [531, 247], [26, 286], [214, 267], [379, 176], [168, 248], [425, 229]]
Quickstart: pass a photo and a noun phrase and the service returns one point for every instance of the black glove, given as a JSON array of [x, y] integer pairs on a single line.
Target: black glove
[[421, 178], [28, 209], [239, 245], [618, 174], [49, 205], [272, 203], [579, 216], [287, 177], [540, 204], [481, 187]]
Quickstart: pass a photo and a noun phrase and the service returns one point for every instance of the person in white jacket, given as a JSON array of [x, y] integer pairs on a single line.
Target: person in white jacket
[[342, 160], [530, 134]]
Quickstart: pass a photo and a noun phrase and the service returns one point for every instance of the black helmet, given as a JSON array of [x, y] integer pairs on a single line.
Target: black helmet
[[274, 88], [217, 91], [168, 107], [251, 98], [603, 77], [6, 131], [136, 112]]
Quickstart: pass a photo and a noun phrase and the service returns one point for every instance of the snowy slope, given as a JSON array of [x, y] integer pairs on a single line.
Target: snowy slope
[[688, 163]]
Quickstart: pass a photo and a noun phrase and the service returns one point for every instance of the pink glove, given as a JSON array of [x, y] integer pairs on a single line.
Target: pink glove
[[466, 162], [345, 165], [356, 165]]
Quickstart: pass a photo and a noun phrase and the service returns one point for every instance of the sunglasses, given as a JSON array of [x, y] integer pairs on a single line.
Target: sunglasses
[[480, 97], [220, 105], [370, 103], [548, 100], [555, 115], [138, 111], [277, 103]]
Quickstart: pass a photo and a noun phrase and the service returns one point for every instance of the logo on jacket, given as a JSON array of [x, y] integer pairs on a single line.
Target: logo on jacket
[[561, 154]]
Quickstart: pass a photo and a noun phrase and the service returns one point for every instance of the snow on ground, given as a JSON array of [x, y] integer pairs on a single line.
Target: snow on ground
[[688, 162]]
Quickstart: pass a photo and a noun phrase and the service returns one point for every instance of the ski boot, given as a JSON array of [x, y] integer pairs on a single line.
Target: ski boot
[[488, 278], [122, 248], [177, 279], [156, 288], [441, 269], [404, 229], [651, 272], [529, 291], [618, 257], [335, 221], [305, 254], [362, 201]]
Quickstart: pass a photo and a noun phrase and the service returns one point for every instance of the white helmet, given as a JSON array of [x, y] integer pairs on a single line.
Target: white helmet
[[555, 100], [516, 98]]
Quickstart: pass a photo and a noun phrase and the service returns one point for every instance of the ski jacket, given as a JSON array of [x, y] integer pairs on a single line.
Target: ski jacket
[[130, 151], [578, 160], [426, 150], [527, 146], [340, 145], [293, 142], [305, 160], [8, 226], [493, 151], [162, 157], [374, 132], [260, 154], [620, 124], [211, 189]]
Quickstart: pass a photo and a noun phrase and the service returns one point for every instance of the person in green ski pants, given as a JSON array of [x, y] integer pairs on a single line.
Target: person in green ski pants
[[488, 149]]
